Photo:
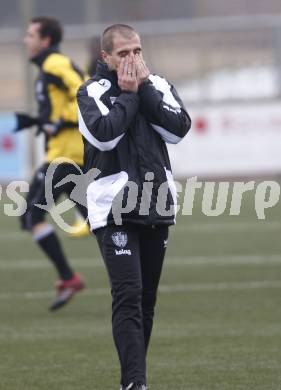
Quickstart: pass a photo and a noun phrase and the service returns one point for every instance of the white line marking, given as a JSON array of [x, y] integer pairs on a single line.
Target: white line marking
[[231, 260], [175, 288], [13, 236], [226, 227], [205, 227]]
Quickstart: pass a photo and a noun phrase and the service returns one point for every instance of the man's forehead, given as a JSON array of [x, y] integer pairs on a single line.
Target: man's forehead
[[34, 26], [122, 42]]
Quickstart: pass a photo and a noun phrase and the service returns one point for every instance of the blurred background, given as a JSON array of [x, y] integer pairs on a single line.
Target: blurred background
[[223, 57]]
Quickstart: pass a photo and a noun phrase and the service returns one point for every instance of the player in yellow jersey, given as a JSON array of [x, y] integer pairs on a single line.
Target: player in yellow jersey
[[94, 53], [55, 89]]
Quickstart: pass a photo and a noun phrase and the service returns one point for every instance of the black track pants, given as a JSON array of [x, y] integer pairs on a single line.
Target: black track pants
[[133, 255]]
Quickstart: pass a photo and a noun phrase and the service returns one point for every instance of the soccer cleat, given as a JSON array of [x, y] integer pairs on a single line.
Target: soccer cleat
[[65, 291], [135, 386]]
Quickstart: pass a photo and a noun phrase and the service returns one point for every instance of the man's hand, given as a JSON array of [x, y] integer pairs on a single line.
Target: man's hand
[[25, 121], [142, 70], [52, 128], [127, 74]]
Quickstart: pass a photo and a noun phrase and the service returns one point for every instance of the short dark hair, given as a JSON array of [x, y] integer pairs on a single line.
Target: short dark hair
[[49, 27], [111, 31]]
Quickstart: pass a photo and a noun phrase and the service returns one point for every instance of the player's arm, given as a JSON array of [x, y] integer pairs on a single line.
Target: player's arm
[[62, 73], [161, 105], [24, 121], [105, 126], [101, 125], [164, 109], [72, 79]]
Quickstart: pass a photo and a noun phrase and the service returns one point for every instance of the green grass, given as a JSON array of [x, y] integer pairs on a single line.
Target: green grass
[[218, 317]]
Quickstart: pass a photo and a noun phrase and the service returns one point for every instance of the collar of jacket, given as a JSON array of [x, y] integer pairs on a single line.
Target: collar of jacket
[[38, 60], [103, 71]]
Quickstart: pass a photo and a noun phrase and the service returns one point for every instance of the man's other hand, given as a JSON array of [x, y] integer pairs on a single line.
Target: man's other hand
[[52, 128], [142, 70]]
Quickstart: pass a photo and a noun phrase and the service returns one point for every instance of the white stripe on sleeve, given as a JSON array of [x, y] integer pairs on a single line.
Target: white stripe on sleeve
[[168, 137], [95, 90], [163, 86], [102, 146], [171, 104]]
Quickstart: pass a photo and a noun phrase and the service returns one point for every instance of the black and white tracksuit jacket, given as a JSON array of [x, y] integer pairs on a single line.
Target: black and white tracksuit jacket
[[125, 136]]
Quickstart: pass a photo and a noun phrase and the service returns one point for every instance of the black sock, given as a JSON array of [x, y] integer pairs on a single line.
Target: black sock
[[51, 246]]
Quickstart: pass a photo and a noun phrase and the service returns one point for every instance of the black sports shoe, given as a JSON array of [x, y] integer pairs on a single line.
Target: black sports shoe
[[135, 386]]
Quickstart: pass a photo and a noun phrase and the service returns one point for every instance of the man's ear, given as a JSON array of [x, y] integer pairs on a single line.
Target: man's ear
[[46, 42], [104, 56]]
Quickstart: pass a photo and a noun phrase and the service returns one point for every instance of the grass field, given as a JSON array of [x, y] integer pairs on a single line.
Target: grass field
[[218, 319]]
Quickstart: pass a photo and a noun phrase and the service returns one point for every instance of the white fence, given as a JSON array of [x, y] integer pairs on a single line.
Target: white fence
[[231, 140]]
